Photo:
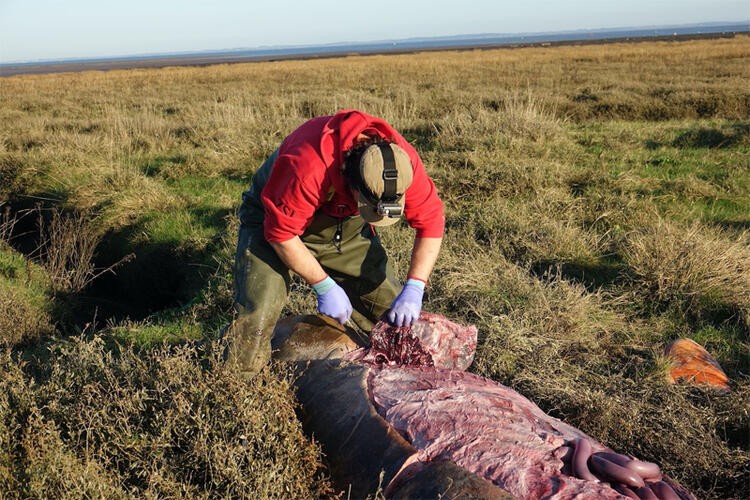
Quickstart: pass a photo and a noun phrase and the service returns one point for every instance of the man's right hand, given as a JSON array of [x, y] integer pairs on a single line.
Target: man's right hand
[[332, 300]]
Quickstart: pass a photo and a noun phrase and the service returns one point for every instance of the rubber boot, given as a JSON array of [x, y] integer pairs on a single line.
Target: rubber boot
[[261, 286], [248, 347]]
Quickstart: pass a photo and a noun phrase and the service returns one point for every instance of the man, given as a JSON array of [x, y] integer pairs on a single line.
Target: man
[[312, 208]]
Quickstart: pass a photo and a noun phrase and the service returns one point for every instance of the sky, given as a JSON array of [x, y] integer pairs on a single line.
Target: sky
[[32, 30]]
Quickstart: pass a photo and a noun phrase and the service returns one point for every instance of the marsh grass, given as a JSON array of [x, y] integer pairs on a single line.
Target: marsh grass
[[166, 422], [67, 251], [25, 306], [26, 290], [597, 202], [697, 270]]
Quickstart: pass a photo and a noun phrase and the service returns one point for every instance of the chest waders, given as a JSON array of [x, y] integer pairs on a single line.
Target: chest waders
[[347, 248]]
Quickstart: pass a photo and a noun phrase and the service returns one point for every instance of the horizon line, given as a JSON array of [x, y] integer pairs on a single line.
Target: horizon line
[[354, 44]]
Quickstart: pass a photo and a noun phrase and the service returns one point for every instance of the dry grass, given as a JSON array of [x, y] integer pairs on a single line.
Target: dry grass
[[67, 251], [696, 269], [597, 202], [149, 424]]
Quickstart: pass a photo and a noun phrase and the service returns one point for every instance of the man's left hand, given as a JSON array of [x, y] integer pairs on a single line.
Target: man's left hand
[[405, 309]]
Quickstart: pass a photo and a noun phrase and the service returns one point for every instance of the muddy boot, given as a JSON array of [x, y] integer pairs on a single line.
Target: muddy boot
[[261, 284], [255, 355], [248, 347]]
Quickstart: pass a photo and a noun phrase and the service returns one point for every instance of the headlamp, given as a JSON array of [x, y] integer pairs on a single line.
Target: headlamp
[[386, 209]]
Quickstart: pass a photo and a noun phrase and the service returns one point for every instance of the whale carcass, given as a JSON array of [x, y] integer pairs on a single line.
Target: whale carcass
[[402, 415]]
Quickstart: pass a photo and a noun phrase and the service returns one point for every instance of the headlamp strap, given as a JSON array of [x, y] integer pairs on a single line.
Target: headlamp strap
[[390, 173]]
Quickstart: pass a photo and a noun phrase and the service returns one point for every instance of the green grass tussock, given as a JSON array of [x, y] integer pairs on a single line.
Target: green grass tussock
[[697, 270], [25, 299]]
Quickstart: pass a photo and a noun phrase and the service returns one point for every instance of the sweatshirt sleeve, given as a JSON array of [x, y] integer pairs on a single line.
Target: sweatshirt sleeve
[[290, 198]]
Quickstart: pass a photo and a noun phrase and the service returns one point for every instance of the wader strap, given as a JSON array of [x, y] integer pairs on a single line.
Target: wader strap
[[338, 234]]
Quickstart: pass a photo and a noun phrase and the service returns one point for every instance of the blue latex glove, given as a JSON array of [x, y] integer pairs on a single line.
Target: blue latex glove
[[406, 308], [332, 300]]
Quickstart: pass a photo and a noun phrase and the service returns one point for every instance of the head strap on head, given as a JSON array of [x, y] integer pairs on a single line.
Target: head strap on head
[[390, 173]]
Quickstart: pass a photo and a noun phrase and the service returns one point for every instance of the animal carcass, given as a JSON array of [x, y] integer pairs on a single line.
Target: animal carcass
[[404, 416]]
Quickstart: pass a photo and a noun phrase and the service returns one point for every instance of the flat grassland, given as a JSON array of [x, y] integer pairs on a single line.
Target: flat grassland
[[598, 206]]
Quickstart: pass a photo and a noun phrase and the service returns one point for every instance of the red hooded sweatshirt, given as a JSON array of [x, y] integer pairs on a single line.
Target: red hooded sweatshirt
[[307, 177]]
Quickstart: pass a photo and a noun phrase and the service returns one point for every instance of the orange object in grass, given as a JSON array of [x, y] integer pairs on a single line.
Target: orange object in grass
[[691, 363]]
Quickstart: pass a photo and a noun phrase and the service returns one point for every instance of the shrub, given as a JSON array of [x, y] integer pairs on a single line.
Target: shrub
[[150, 424], [67, 249]]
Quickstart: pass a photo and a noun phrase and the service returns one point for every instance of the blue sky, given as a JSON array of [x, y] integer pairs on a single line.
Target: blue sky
[[60, 29]]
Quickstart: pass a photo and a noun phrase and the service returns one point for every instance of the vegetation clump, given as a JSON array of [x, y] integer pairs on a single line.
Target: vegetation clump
[[100, 422], [25, 305], [697, 270]]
